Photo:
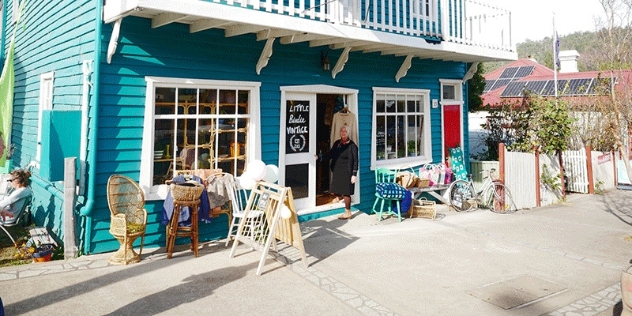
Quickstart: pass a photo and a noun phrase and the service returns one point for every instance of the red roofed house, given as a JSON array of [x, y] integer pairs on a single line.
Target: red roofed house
[[508, 84]]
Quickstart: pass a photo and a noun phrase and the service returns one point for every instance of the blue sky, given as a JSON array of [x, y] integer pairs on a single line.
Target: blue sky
[[533, 19]]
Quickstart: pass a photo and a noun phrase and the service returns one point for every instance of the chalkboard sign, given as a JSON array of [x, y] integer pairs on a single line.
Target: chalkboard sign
[[457, 164], [297, 127]]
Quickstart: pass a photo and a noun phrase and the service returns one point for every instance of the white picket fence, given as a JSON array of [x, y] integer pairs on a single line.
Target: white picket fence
[[576, 170], [520, 174]]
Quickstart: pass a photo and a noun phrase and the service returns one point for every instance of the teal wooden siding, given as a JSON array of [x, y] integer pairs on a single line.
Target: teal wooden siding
[[50, 37], [171, 51]]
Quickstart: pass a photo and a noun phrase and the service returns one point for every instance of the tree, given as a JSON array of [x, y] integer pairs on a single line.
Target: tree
[[475, 88], [616, 54], [536, 122]]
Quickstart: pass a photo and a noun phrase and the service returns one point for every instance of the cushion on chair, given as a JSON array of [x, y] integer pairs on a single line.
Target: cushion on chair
[[390, 190]]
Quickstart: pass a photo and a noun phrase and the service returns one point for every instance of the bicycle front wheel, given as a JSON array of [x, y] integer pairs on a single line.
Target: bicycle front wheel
[[502, 201], [460, 195]]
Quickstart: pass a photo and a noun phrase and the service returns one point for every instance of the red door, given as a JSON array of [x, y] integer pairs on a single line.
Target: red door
[[451, 128]]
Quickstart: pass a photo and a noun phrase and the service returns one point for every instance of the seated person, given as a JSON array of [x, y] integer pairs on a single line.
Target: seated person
[[13, 202]]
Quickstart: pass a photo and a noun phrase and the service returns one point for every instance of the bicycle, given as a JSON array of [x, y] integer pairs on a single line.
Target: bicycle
[[493, 195]]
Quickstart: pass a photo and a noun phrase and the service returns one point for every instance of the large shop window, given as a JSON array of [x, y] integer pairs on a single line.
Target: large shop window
[[401, 127], [198, 125]]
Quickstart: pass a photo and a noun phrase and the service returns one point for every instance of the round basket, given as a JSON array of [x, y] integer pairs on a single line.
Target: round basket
[[186, 191]]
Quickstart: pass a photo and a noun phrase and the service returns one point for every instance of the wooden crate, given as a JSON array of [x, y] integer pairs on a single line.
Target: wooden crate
[[423, 208]]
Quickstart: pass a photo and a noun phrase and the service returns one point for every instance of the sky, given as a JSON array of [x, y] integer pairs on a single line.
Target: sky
[[533, 19]]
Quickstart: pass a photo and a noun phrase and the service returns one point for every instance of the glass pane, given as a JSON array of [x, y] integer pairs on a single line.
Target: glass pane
[[391, 147], [380, 138], [401, 137], [244, 97], [165, 103], [379, 106], [297, 177], [227, 99], [390, 102], [401, 103], [449, 92], [207, 101]]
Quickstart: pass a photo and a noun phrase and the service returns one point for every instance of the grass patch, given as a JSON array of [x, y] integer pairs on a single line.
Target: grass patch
[[9, 253]]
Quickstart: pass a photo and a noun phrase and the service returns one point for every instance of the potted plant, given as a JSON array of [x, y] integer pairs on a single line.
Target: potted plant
[[43, 253], [411, 148]]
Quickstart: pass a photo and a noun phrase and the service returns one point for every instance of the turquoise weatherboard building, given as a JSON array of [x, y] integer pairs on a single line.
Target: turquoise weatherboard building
[[142, 88]]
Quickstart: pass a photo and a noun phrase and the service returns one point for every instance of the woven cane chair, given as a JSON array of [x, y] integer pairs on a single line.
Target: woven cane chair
[[128, 218], [387, 192]]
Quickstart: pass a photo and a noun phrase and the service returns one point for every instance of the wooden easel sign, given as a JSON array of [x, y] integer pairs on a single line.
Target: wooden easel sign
[[264, 209]]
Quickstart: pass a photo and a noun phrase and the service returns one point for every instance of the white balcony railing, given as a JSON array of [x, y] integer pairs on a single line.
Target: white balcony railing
[[460, 21], [469, 22]]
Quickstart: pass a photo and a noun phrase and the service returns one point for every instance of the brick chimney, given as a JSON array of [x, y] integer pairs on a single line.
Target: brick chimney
[[568, 61]]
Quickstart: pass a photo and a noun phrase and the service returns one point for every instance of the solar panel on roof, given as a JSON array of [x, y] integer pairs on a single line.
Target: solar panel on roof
[[488, 85], [509, 73], [524, 71], [535, 86], [600, 86], [562, 85], [501, 83], [549, 89], [577, 86], [513, 90]]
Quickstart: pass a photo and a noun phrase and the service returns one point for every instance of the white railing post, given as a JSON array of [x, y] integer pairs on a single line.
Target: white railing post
[[445, 33]]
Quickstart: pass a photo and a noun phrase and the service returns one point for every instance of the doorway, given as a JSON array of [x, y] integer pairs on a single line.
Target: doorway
[[302, 139], [452, 130]]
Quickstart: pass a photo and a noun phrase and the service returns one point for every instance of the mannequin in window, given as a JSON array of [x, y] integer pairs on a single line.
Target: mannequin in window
[[343, 157]]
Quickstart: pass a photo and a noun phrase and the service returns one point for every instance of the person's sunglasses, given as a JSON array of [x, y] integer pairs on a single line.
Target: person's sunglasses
[[11, 180]]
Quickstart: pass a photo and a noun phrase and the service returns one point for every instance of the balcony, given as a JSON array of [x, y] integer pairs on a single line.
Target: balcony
[[455, 30]]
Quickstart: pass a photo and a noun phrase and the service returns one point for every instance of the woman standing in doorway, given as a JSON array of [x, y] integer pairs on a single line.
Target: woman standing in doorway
[[344, 167]]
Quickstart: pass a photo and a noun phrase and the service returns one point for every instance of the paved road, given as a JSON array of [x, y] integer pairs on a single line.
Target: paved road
[[564, 259]]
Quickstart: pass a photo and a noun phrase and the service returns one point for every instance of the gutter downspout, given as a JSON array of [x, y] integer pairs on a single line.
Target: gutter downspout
[[86, 210]]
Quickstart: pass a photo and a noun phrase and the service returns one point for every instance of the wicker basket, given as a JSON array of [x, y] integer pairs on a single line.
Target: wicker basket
[[186, 191], [423, 208], [406, 178], [423, 182]]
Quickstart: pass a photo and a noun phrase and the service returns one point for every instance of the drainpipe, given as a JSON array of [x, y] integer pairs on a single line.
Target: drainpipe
[[86, 210], [86, 69]]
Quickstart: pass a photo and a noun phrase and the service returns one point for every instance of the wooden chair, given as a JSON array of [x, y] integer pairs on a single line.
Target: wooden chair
[[21, 217], [387, 191], [128, 218], [253, 222]]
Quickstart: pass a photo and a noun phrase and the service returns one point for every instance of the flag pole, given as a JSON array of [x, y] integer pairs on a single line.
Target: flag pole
[[556, 44]]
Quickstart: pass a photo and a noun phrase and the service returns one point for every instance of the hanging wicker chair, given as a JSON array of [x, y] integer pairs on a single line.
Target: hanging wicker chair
[[128, 218]]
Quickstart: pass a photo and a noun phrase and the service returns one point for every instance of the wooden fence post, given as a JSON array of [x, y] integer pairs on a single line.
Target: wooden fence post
[[501, 162], [614, 167], [589, 170], [538, 198]]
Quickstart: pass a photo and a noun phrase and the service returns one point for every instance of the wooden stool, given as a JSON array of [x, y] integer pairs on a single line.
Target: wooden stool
[[175, 230]]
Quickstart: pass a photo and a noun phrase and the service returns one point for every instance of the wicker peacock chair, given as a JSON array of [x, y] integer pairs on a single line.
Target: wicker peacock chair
[[128, 217]]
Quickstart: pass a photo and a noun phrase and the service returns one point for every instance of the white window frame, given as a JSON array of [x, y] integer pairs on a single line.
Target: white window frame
[[426, 156], [159, 192], [47, 81], [458, 90]]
